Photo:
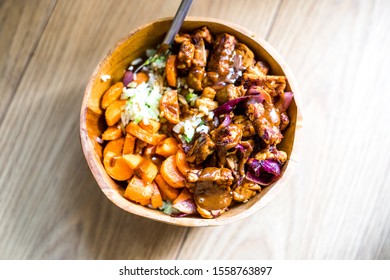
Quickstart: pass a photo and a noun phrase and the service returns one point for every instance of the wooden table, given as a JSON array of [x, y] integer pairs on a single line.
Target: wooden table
[[337, 205]]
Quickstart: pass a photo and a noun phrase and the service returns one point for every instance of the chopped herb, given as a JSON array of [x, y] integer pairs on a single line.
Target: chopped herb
[[156, 60], [191, 98], [187, 139], [168, 209]]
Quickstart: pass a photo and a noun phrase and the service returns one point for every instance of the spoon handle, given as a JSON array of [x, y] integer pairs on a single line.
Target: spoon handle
[[177, 21]]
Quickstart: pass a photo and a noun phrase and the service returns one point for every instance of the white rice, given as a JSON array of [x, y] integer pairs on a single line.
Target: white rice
[[143, 100], [189, 126]]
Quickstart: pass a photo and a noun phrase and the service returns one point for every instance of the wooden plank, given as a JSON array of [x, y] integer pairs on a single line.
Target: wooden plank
[[21, 26], [349, 56], [254, 15], [337, 205]]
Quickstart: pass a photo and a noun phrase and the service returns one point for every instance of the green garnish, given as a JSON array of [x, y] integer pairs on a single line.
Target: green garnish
[[187, 139], [158, 59], [168, 209], [191, 98]]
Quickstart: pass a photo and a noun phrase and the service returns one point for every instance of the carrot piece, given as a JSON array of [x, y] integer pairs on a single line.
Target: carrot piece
[[171, 70], [167, 147], [112, 133], [117, 167], [164, 196], [143, 167], [150, 138], [140, 77], [166, 190], [184, 195], [156, 198], [148, 170], [133, 161], [114, 111], [185, 202], [152, 127], [137, 190], [128, 147], [171, 174], [112, 94], [114, 146], [169, 106], [182, 164]]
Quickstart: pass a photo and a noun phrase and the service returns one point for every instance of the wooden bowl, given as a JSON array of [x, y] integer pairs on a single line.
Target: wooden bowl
[[134, 46]]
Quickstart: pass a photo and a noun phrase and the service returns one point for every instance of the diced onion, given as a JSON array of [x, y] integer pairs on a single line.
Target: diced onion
[[177, 128], [136, 61]]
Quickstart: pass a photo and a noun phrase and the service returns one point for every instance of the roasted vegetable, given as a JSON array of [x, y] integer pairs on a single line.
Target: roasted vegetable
[[171, 174], [112, 94]]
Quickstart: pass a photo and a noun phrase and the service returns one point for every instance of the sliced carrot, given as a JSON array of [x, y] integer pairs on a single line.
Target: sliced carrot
[[156, 198], [117, 167], [114, 146], [150, 138], [171, 174], [164, 196], [133, 161], [182, 164], [148, 170], [128, 147], [114, 111], [171, 70], [166, 190], [137, 190], [142, 167], [140, 77], [112, 133], [152, 127], [112, 94], [167, 147]]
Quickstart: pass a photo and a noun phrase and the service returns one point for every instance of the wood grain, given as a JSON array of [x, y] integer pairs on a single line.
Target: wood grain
[[21, 26], [336, 207]]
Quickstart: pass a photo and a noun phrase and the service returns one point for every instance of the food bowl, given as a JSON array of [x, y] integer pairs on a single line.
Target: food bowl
[[119, 58]]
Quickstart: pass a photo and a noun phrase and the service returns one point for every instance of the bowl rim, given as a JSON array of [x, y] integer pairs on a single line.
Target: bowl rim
[[117, 199]]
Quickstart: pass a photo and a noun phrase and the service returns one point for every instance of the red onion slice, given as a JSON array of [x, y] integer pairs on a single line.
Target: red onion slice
[[286, 100], [263, 172], [127, 78], [226, 121], [228, 106]]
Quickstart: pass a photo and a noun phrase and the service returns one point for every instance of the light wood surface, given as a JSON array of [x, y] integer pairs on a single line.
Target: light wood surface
[[337, 204]]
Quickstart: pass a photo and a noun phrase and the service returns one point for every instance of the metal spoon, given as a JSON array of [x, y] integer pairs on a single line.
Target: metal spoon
[[173, 29], [177, 22]]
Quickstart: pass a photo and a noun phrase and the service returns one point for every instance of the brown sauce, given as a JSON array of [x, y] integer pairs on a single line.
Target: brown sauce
[[211, 196]]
